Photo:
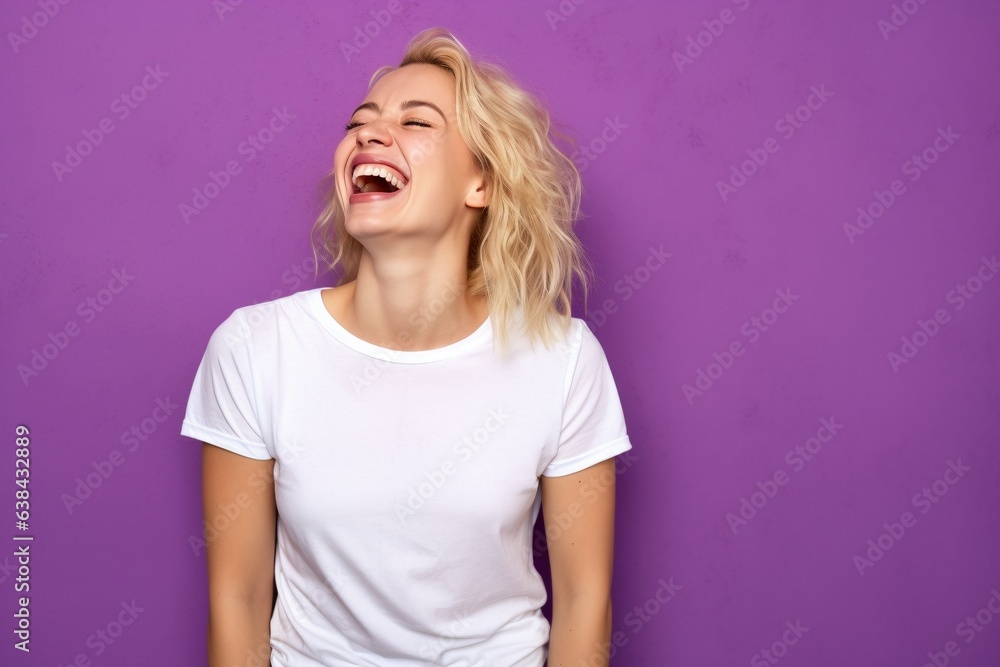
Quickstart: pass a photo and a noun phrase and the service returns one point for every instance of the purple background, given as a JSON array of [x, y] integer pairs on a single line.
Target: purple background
[[680, 131]]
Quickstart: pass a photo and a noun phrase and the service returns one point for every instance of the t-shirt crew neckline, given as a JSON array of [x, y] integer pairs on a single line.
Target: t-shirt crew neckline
[[479, 337]]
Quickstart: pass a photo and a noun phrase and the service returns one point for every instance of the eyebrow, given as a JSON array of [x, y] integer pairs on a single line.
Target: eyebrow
[[407, 104]]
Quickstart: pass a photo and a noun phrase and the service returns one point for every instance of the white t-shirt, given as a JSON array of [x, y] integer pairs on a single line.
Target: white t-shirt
[[406, 481]]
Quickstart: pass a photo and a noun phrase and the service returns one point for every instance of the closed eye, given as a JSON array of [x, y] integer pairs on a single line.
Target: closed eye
[[351, 126]]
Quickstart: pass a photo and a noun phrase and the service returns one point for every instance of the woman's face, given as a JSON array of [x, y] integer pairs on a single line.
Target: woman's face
[[407, 122]]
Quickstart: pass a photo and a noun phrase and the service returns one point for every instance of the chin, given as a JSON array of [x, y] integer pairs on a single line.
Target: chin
[[362, 225]]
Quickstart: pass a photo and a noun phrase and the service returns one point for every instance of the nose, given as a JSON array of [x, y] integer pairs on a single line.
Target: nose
[[374, 131]]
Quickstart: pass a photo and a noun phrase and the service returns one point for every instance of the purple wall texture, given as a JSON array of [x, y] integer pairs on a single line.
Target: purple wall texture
[[809, 376]]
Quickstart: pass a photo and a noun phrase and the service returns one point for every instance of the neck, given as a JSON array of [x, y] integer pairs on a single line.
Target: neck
[[412, 304]]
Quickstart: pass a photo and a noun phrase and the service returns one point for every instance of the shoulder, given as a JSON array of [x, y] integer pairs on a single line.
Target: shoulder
[[570, 341], [575, 336], [290, 305], [254, 319], [583, 352]]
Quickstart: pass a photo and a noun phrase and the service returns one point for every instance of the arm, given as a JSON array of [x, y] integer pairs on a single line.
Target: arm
[[239, 498], [579, 511]]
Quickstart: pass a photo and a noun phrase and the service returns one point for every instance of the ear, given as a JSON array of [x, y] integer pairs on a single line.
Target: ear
[[480, 197]]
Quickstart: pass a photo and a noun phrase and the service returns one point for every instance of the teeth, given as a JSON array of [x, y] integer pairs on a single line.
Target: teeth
[[374, 170]]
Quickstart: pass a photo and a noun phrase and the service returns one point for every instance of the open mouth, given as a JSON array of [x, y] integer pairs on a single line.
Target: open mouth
[[377, 178]]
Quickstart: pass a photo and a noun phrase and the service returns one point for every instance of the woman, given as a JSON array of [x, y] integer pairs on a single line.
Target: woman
[[380, 450]]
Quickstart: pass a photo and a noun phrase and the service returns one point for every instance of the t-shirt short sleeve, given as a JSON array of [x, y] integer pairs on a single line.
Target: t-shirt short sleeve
[[593, 424], [221, 408]]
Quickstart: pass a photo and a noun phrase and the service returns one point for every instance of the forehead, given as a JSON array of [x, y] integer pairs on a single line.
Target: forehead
[[416, 81]]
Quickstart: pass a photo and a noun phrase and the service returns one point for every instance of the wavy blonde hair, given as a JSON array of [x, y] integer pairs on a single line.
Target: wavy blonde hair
[[523, 253]]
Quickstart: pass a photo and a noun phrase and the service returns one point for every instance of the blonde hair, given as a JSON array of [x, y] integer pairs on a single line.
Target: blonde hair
[[523, 253]]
